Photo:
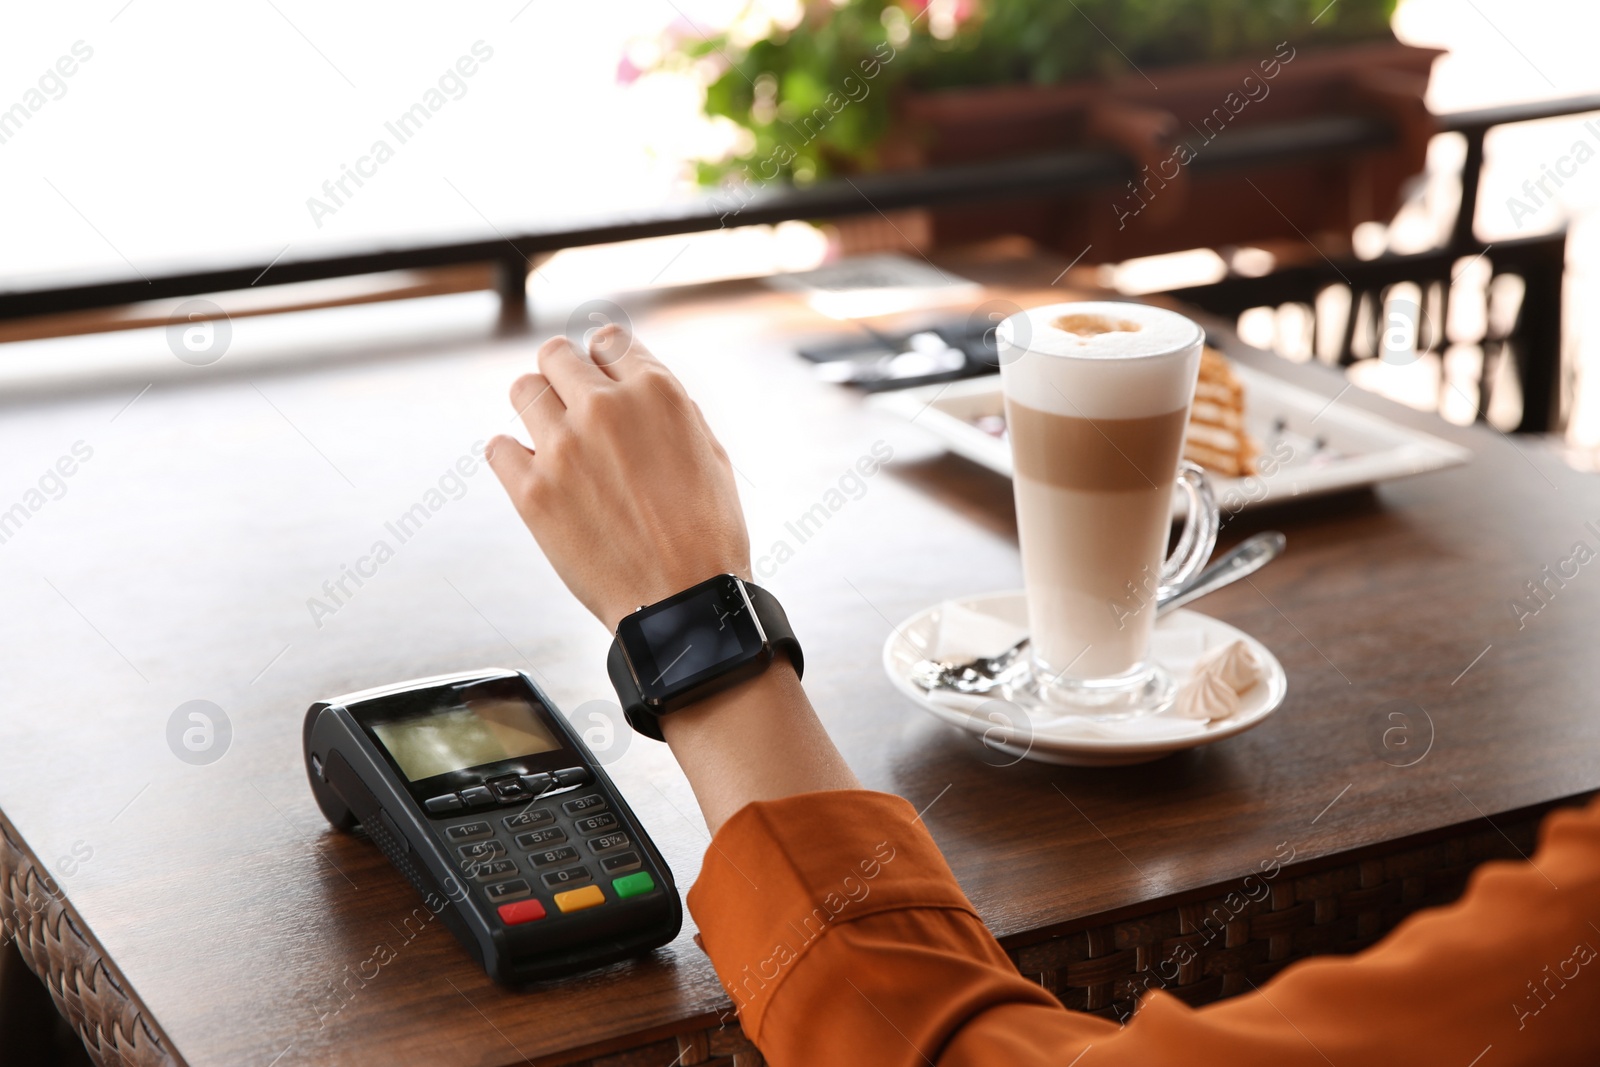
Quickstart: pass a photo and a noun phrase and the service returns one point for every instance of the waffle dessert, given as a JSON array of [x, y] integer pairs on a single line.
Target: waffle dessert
[[1216, 438]]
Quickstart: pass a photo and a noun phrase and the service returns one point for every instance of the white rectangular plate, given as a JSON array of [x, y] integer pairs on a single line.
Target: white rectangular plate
[[1344, 448]]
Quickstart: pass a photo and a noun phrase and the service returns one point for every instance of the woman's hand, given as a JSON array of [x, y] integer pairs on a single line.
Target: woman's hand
[[625, 489], [633, 500]]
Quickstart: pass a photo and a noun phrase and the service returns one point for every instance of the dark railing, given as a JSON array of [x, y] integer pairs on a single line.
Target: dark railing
[[1060, 172], [1538, 260], [1534, 340]]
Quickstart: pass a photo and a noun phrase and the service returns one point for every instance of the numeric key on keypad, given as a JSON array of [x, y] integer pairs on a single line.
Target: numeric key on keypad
[[553, 856], [527, 820], [591, 802], [480, 851], [550, 835], [494, 869], [594, 824], [568, 876], [609, 842]]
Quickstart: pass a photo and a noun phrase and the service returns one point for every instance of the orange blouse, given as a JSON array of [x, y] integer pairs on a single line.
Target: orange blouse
[[842, 937]]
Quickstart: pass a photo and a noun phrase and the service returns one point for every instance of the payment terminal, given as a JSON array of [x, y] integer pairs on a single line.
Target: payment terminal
[[490, 804]]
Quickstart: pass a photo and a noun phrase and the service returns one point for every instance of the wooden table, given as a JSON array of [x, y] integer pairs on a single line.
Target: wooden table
[[205, 914]]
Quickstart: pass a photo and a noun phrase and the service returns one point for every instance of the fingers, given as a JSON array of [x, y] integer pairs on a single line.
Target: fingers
[[511, 462], [538, 405], [618, 353], [570, 382], [569, 373]]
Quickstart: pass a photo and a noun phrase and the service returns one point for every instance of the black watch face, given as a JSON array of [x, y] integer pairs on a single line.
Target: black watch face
[[686, 640]]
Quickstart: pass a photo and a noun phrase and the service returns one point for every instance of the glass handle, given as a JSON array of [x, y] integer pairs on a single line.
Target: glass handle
[[1199, 535]]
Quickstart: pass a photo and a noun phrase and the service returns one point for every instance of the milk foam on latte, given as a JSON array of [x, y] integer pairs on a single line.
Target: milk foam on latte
[[1097, 398], [1141, 383]]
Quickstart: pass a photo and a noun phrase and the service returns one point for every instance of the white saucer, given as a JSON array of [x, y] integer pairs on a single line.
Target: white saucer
[[1026, 729]]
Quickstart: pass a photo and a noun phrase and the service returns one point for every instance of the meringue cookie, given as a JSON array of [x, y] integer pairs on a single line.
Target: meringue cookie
[[1206, 696], [1234, 663]]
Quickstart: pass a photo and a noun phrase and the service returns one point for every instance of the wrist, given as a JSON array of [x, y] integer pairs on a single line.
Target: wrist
[[773, 692], [760, 740]]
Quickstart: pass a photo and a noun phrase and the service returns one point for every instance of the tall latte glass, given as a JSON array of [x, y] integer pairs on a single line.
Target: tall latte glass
[[1097, 398]]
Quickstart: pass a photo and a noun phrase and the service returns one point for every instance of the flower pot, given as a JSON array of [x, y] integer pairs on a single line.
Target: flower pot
[[1166, 122]]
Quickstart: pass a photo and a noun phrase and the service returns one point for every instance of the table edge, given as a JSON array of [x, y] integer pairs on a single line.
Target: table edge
[[1331, 904], [88, 989]]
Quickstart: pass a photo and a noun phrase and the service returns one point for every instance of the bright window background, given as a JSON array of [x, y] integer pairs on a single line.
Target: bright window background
[[1512, 50], [198, 131]]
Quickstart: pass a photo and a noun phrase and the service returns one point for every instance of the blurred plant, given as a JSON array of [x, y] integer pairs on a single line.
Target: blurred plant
[[777, 78]]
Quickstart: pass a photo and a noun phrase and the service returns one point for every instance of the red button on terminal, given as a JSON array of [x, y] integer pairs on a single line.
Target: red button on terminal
[[523, 911]]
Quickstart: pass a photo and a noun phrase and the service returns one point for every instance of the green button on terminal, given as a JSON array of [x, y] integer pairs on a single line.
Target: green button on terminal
[[632, 885]]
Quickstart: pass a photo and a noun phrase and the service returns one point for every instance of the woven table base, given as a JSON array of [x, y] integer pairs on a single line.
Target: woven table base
[[88, 990], [1205, 949], [1227, 941]]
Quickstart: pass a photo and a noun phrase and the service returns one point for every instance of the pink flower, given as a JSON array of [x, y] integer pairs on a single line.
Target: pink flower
[[964, 9], [627, 73]]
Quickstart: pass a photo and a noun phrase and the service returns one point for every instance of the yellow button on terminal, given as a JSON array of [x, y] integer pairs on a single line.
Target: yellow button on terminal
[[578, 899]]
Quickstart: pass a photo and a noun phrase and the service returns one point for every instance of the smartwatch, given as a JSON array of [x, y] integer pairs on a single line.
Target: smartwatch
[[679, 650]]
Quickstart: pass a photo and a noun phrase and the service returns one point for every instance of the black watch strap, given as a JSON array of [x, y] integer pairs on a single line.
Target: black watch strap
[[774, 623]]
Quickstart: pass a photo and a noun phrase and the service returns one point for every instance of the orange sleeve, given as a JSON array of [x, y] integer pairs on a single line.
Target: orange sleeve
[[842, 937]]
